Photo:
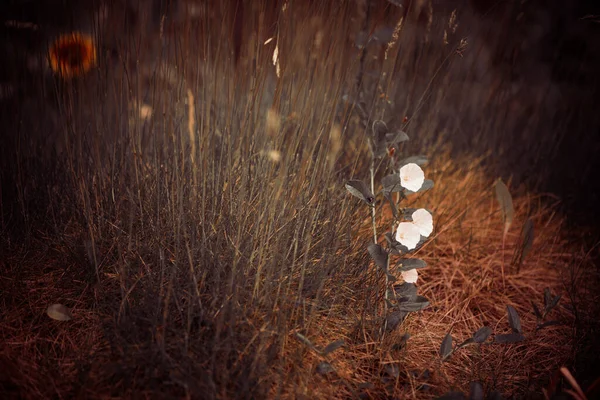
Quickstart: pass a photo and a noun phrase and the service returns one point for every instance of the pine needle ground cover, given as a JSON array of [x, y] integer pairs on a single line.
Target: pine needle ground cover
[[178, 225]]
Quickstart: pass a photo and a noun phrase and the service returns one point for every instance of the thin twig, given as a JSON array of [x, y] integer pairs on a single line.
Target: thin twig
[[372, 171]]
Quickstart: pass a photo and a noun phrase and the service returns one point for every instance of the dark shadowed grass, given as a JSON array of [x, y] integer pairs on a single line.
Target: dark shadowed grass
[[192, 215]]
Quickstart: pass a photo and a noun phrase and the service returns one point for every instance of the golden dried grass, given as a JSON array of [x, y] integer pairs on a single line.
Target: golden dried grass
[[298, 247], [464, 284]]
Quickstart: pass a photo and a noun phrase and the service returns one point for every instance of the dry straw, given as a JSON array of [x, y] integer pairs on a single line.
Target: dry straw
[[197, 248]]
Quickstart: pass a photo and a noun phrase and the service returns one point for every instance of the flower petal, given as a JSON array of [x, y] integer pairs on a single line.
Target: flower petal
[[410, 276], [412, 177], [424, 221], [408, 235]]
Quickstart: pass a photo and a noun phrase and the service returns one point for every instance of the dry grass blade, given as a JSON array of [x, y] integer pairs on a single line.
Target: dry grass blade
[[506, 204], [578, 393], [193, 211]]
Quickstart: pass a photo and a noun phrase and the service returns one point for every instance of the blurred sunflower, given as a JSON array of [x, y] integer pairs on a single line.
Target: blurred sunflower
[[72, 55]]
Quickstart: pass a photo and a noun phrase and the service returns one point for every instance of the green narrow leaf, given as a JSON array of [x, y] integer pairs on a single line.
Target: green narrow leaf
[[553, 303], [394, 319], [446, 346], [536, 311], [427, 184], [509, 338], [305, 340], [392, 204], [379, 255], [547, 324], [59, 312], [547, 298], [405, 290], [465, 343], [506, 204], [513, 319], [407, 212], [406, 264], [401, 342], [389, 303], [333, 346], [392, 370], [395, 138], [360, 190], [394, 246], [417, 304], [526, 239], [324, 368], [482, 334], [391, 183], [378, 141]]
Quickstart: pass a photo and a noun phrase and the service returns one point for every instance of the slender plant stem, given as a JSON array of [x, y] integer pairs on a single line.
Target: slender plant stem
[[385, 296], [372, 170]]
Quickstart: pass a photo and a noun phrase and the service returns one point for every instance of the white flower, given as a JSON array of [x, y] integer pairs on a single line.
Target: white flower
[[424, 221], [408, 235], [410, 276], [412, 177]]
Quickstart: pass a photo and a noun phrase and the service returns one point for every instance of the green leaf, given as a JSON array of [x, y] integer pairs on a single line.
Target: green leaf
[[465, 343], [407, 212], [394, 319], [379, 255], [476, 392], [360, 190], [305, 340], [417, 304], [59, 312], [506, 204], [405, 290], [509, 338], [401, 342], [402, 249], [547, 298], [333, 346], [427, 184], [553, 303], [397, 247], [388, 302], [392, 204], [394, 138], [482, 334], [406, 264], [547, 324], [513, 319], [324, 368], [526, 239], [536, 311], [392, 370], [391, 240], [446, 346], [378, 140], [391, 183]]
